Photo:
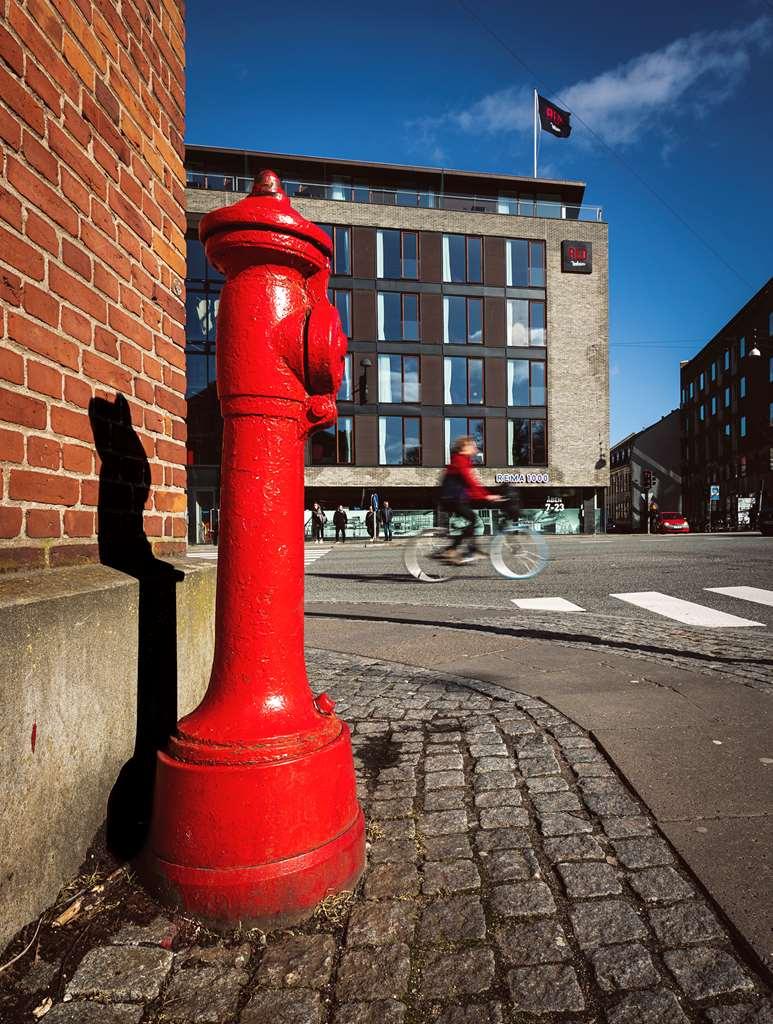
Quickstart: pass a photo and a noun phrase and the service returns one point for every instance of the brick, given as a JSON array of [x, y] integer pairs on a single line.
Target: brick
[[102, 218], [46, 380], [77, 160], [152, 368], [46, 488], [11, 52], [10, 522], [89, 492], [18, 99], [74, 554], [105, 372], [27, 412], [41, 195], [10, 129], [11, 288], [11, 446], [174, 380], [105, 341], [76, 125], [10, 209], [130, 356], [43, 523], [76, 325], [41, 233], [76, 259], [153, 525], [105, 158], [44, 452], [106, 282], [77, 293], [45, 19], [75, 192], [33, 40], [77, 459], [78, 61], [41, 340], [11, 366], [41, 304], [130, 215], [129, 328], [40, 158], [17, 558], [143, 390], [20, 255], [71, 424], [78, 524], [170, 501], [131, 300], [169, 451], [49, 93], [171, 402], [104, 249]]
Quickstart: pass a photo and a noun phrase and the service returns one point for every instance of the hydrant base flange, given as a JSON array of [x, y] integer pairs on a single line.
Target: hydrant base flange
[[244, 853]]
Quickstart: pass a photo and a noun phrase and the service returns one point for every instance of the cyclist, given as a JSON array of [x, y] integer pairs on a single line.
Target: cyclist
[[460, 486]]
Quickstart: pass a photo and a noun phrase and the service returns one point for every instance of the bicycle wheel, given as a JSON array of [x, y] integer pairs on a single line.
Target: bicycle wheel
[[422, 556], [519, 553]]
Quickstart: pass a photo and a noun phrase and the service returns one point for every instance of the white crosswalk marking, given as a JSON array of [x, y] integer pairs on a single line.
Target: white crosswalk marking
[[683, 611], [754, 594], [546, 604], [312, 554]]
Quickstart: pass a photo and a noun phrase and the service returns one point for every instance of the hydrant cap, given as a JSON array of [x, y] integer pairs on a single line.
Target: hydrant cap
[[267, 208]]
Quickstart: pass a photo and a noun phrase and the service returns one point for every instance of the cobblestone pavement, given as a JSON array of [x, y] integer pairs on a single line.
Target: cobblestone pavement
[[745, 656], [511, 877]]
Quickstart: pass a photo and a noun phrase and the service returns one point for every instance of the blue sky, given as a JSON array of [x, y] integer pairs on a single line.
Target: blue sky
[[682, 93]]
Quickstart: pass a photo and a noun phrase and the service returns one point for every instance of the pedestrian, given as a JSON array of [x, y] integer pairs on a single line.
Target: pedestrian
[[386, 520], [369, 524], [318, 520], [340, 520], [374, 508]]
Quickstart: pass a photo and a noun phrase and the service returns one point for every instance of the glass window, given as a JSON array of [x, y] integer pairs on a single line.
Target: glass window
[[728, 430], [692, 389], [742, 347], [398, 316], [333, 445], [714, 370], [742, 387], [196, 267], [517, 381], [728, 397], [527, 442], [463, 381], [397, 254], [701, 381], [701, 412], [525, 263], [683, 396], [399, 439], [726, 359], [345, 391], [201, 315], [462, 320], [200, 372], [398, 379], [341, 239], [743, 426], [770, 414], [770, 369], [462, 259], [342, 300], [537, 385], [713, 405], [462, 426], [525, 323]]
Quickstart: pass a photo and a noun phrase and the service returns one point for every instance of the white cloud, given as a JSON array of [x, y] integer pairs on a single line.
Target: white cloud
[[686, 77]]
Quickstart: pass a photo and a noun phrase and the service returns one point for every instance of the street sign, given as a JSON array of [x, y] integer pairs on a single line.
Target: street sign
[[714, 492]]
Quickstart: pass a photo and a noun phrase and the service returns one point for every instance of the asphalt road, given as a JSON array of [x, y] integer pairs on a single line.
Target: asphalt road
[[585, 571]]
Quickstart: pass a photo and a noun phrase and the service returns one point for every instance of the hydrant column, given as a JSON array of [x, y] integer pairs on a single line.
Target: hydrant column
[[255, 814]]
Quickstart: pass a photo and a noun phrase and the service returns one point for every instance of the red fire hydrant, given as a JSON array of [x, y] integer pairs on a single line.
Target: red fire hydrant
[[255, 815]]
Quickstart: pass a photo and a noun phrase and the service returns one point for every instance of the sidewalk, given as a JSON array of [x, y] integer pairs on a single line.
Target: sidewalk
[[512, 874]]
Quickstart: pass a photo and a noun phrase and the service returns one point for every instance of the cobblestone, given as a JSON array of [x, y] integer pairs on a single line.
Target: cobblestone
[[501, 887]]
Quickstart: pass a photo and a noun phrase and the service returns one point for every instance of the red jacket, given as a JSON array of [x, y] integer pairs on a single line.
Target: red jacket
[[461, 466]]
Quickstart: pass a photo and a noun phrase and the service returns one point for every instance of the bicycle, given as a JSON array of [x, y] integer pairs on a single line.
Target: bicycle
[[516, 551]]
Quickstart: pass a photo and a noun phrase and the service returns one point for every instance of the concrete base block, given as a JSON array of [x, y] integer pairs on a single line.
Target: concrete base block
[[95, 669]]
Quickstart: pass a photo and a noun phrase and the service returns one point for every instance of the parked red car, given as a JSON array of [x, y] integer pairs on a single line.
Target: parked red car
[[671, 522]]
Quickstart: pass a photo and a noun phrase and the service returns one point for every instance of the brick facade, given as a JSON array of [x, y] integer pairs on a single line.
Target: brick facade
[[92, 265]]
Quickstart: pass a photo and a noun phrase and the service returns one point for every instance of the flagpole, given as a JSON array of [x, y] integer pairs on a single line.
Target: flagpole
[[535, 133]]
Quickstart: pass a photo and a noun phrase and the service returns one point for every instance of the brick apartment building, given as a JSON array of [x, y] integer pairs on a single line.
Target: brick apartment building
[[655, 449], [727, 416], [473, 303], [92, 265]]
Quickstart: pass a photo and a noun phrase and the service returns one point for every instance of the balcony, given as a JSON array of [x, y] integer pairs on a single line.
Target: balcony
[[516, 206]]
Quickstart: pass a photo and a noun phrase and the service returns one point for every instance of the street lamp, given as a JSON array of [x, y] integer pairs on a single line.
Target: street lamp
[[362, 390]]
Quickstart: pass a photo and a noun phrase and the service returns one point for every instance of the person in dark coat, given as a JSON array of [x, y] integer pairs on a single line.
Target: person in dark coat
[[340, 520], [386, 520], [318, 520], [370, 524]]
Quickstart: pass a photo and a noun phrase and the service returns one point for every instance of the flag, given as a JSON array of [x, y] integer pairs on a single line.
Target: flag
[[553, 119]]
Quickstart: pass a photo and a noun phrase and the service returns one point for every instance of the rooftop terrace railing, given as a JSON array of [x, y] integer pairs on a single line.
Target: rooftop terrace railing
[[508, 205]]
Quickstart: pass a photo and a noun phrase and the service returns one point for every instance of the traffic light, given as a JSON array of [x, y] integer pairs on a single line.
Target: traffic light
[[647, 478]]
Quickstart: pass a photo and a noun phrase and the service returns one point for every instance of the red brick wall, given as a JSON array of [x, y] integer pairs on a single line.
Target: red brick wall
[[92, 266]]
